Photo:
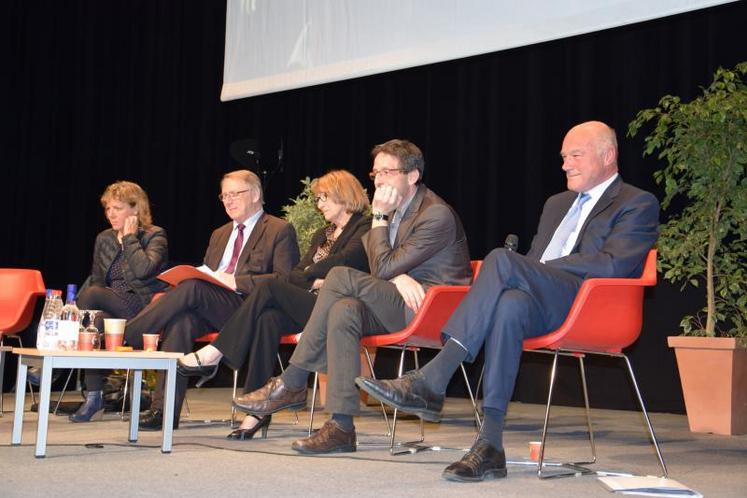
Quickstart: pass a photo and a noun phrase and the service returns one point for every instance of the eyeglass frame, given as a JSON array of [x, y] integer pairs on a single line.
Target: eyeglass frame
[[386, 172], [323, 196], [225, 196]]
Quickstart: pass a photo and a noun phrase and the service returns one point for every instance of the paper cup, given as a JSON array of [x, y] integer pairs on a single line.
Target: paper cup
[[86, 340], [150, 342], [113, 340], [114, 325], [534, 450]]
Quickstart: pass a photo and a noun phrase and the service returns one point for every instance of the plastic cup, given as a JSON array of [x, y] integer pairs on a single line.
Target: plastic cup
[[86, 340], [534, 450], [113, 340], [150, 342], [114, 325]]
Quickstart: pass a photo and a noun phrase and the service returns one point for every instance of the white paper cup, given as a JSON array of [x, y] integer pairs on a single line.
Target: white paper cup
[[114, 325]]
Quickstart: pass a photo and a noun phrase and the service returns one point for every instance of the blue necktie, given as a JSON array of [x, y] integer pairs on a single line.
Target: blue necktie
[[554, 249]]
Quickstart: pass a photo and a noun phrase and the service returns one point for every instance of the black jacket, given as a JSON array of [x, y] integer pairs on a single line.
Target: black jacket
[[346, 251], [145, 256]]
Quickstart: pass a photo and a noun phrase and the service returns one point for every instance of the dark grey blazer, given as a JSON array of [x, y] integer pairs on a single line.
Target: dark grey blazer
[[614, 239], [430, 245], [145, 255], [270, 252]]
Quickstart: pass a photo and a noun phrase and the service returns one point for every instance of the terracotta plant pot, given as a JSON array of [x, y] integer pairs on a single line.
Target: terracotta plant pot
[[713, 372]]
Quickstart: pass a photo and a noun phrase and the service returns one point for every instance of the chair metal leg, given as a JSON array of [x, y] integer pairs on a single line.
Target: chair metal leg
[[124, 397], [645, 416], [233, 408], [282, 371], [2, 373], [383, 408], [588, 413], [313, 402], [472, 397], [62, 394]]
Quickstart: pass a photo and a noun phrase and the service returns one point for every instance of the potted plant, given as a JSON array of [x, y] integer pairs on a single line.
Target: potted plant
[[704, 241], [304, 216]]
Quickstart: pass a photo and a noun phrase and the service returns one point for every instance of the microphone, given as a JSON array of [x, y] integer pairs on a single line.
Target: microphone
[[512, 242]]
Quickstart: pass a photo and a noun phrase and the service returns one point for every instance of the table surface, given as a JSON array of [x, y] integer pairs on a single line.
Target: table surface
[[97, 354]]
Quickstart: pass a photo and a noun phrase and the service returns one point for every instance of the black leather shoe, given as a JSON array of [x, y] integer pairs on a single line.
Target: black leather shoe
[[409, 393], [244, 434], [483, 461], [329, 439], [152, 420], [271, 398]]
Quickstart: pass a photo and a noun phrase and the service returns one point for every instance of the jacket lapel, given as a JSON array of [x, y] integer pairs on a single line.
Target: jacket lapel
[[254, 238], [604, 202], [347, 232], [405, 225], [215, 251], [556, 217]]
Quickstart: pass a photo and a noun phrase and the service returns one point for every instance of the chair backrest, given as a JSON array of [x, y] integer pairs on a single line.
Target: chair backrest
[[19, 289], [606, 315], [425, 328]]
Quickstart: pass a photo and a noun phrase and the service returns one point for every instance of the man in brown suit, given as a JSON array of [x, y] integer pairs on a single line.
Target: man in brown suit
[[254, 246], [416, 241]]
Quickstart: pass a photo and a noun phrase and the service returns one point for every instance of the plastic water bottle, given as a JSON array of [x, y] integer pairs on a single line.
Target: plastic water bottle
[[49, 317], [70, 311]]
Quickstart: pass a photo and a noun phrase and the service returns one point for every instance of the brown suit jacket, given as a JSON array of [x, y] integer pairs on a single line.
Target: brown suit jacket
[[270, 252]]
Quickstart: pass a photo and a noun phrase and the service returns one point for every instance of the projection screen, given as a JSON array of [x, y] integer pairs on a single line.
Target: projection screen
[[276, 45]]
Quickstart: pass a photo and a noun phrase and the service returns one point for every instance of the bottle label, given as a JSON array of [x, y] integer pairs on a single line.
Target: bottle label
[[58, 335]]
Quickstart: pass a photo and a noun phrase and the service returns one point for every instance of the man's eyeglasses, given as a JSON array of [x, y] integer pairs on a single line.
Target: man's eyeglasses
[[385, 172], [225, 196], [321, 197]]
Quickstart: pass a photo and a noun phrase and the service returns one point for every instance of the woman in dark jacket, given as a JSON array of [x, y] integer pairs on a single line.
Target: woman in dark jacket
[[277, 307], [127, 258]]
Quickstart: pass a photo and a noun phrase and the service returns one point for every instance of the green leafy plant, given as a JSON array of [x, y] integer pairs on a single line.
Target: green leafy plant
[[704, 142], [304, 216]]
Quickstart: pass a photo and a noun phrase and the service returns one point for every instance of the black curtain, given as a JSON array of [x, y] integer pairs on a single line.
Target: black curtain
[[99, 91]]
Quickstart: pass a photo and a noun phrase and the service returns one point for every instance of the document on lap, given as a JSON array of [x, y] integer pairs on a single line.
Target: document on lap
[[176, 275]]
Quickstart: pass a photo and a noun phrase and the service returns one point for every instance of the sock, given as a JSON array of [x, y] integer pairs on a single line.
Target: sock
[[440, 369], [295, 378], [492, 426], [344, 421]]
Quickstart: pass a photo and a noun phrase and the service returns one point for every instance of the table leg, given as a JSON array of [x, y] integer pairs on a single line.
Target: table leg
[[137, 382], [20, 401], [44, 393], [168, 406]]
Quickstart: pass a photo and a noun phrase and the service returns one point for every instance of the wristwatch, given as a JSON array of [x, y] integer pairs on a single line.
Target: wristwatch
[[380, 216]]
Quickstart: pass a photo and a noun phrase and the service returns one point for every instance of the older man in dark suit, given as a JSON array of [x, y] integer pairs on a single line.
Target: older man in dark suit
[[600, 227], [416, 241], [252, 247]]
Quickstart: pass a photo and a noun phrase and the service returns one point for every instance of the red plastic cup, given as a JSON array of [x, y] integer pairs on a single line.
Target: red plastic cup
[[150, 342], [113, 340], [86, 340], [534, 450]]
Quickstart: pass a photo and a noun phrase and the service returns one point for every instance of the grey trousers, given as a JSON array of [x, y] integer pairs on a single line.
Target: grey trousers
[[351, 304]]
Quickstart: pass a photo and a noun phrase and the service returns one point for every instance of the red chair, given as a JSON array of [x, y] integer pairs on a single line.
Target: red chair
[[19, 289], [424, 331], [605, 317]]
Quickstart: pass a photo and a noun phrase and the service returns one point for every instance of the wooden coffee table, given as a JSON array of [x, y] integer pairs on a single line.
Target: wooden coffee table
[[137, 361]]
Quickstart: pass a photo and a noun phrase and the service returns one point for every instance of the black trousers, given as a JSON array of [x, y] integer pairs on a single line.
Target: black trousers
[[252, 334], [182, 315], [111, 306]]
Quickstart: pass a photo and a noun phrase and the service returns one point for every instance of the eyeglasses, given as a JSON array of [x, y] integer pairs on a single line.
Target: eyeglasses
[[321, 197], [385, 172], [225, 196]]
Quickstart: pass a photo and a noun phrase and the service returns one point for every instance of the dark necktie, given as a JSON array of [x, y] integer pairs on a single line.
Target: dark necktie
[[237, 244]]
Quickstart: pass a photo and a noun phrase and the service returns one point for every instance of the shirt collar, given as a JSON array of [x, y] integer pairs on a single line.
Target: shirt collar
[[250, 220]]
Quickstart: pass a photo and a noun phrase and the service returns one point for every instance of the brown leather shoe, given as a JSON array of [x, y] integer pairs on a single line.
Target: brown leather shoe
[[329, 439], [271, 398]]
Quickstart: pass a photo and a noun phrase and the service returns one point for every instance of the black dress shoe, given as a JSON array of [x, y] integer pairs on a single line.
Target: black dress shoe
[[152, 420], [483, 461], [207, 372], [270, 398], [244, 434], [331, 438], [409, 393]]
